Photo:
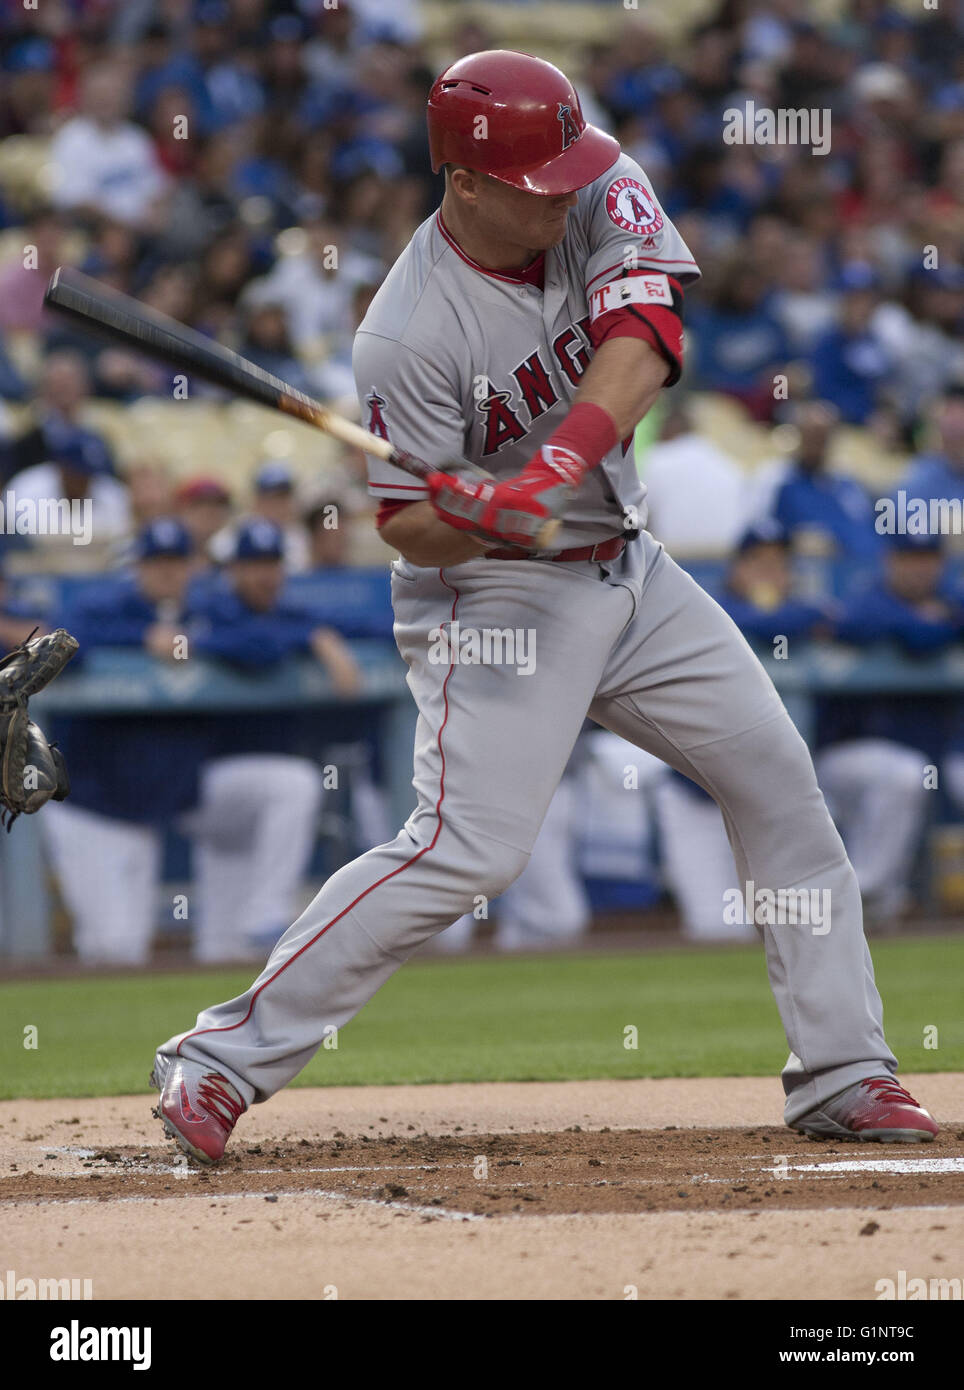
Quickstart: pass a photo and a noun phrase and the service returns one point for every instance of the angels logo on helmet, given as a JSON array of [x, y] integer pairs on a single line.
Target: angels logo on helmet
[[570, 126]]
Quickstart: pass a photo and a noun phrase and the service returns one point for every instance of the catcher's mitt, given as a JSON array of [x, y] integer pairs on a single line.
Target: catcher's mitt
[[31, 770]]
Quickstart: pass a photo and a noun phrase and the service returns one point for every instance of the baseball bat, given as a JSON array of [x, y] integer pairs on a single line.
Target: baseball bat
[[128, 321]]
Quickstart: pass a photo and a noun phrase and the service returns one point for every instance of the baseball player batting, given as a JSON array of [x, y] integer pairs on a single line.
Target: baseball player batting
[[528, 327]]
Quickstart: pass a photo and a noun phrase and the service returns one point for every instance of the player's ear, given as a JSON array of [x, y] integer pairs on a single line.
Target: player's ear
[[464, 182]]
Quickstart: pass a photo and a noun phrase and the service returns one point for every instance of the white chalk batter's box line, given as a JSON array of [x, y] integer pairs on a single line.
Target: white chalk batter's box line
[[184, 1170], [869, 1164], [883, 1165], [212, 1199], [832, 1167]]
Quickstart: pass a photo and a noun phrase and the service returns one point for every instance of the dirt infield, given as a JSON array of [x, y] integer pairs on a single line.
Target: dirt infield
[[655, 1189]]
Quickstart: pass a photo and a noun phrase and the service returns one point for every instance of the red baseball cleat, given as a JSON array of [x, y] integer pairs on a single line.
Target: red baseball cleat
[[198, 1107], [875, 1110]]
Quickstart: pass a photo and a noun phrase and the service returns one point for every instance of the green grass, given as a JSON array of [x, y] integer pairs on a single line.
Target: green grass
[[697, 1014]]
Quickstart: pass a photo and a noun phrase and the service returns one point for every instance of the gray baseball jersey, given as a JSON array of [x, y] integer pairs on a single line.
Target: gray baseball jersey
[[454, 361]]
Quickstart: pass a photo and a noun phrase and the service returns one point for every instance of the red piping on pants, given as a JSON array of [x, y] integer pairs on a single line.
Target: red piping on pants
[[401, 868]]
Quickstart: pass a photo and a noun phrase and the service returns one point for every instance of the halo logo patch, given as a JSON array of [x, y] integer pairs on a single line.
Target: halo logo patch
[[376, 419], [633, 210], [570, 127]]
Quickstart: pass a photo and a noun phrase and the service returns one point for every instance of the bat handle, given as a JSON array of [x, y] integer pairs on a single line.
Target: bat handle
[[419, 469], [548, 534]]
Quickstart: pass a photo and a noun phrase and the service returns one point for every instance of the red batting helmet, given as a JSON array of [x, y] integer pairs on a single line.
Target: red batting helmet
[[533, 136]]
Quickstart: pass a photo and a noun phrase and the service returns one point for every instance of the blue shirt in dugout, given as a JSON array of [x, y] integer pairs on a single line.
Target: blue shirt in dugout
[[141, 768], [914, 719], [223, 626]]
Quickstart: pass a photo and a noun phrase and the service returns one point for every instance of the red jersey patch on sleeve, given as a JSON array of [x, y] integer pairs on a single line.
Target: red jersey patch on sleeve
[[633, 210]]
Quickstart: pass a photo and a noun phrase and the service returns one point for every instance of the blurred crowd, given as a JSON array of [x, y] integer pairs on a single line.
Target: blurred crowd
[[253, 167], [211, 153]]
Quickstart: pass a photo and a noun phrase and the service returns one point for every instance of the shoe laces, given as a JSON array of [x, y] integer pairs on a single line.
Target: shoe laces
[[213, 1091], [885, 1088]]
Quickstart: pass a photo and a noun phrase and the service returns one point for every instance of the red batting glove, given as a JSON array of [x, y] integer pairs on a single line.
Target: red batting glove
[[514, 512]]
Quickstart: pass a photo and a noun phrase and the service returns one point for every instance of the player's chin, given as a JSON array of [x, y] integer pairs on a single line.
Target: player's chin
[[553, 234]]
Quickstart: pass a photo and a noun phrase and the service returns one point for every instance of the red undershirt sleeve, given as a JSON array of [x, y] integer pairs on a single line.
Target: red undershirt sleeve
[[387, 509]]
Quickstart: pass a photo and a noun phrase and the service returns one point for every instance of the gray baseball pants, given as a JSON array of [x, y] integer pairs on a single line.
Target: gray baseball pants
[[640, 647]]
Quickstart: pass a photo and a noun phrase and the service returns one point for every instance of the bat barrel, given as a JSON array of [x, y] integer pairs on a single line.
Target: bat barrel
[[125, 320]]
